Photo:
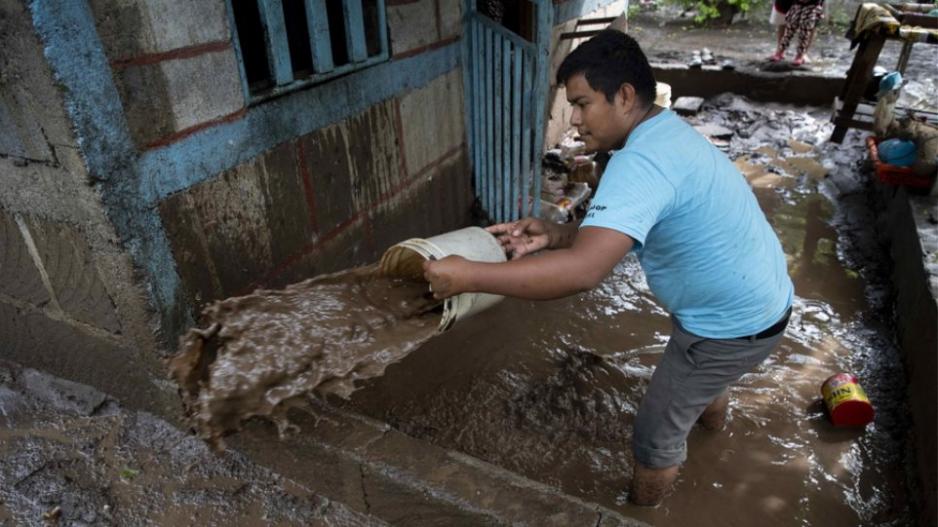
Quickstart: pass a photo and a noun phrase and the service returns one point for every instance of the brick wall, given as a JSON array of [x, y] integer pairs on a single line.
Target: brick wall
[[317, 201], [174, 65], [327, 200]]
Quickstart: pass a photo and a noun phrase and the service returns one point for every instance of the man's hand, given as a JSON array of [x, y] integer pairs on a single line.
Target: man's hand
[[447, 277], [522, 237]]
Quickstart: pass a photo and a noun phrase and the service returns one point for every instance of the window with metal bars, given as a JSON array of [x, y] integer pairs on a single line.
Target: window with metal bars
[[288, 44]]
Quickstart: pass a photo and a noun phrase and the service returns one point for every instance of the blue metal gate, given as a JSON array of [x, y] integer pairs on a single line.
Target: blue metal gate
[[506, 80]]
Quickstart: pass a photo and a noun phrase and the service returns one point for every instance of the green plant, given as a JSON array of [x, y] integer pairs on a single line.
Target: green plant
[[717, 10]]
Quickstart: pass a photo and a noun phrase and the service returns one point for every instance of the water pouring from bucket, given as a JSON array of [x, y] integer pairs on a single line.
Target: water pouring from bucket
[[405, 260]]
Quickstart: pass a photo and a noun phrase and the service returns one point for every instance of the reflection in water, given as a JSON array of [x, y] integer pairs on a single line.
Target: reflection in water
[[549, 389]]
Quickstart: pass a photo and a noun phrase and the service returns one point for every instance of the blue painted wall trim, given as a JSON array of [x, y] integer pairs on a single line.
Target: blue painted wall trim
[[80, 65], [203, 155], [571, 9], [131, 184]]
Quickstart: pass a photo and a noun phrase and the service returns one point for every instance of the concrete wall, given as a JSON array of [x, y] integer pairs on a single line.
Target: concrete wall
[[137, 183], [69, 301], [792, 87], [565, 21], [911, 223]]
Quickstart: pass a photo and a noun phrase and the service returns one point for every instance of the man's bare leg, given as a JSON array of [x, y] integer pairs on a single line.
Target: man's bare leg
[[651, 485], [714, 416]]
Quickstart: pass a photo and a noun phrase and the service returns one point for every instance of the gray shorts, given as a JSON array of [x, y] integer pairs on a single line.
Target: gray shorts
[[692, 373]]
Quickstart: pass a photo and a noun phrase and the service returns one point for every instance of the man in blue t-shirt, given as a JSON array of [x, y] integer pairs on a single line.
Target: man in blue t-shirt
[[706, 248]]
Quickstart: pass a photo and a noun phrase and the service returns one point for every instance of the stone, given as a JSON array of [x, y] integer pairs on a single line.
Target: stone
[[62, 394], [714, 131], [316, 465], [37, 341], [430, 135], [69, 263], [412, 26], [170, 96], [687, 105], [21, 279], [131, 29], [450, 18], [32, 114]]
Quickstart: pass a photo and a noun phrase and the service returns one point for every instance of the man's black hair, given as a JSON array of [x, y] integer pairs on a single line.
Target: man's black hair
[[608, 60]]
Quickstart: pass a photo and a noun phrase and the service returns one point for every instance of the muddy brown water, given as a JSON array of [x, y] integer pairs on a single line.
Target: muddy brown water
[[550, 389], [255, 354]]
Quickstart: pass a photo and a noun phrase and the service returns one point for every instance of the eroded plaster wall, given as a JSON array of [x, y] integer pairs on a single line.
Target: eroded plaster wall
[[69, 302]]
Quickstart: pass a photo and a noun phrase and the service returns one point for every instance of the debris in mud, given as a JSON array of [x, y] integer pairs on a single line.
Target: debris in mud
[[687, 105], [260, 353], [579, 399], [64, 465], [52, 517]]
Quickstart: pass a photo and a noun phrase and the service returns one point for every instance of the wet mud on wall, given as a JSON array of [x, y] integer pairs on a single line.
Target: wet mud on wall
[[86, 44]]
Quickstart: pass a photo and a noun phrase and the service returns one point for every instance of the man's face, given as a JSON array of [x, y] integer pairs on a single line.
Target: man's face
[[602, 125]]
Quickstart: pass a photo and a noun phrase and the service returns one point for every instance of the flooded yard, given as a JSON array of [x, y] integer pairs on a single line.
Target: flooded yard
[[550, 389]]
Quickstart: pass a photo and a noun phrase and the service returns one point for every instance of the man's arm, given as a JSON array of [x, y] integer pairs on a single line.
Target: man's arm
[[591, 256], [530, 235], [566, 234]]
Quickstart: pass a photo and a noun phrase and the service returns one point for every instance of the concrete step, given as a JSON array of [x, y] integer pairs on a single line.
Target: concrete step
[[793, 87], [375, 469]]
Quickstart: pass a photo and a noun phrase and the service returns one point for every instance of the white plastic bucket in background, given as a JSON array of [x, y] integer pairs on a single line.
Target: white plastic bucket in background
[[663, 95], [405, 260]]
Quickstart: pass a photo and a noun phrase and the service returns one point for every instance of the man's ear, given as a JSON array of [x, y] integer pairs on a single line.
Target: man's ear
[[627, 96]]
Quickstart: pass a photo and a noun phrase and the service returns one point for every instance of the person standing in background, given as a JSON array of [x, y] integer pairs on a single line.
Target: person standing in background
[[777, 19], [802, 18]]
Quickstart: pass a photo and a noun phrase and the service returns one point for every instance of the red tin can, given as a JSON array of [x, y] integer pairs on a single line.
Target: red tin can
[[846, 401]]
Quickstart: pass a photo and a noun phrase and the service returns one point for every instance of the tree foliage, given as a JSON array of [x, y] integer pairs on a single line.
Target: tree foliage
[[719, 11]]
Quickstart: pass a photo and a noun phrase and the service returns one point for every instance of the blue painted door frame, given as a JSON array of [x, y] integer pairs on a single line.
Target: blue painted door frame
[[506, 79]]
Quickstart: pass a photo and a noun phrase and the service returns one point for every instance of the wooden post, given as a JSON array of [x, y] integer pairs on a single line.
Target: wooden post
[[858, 77]]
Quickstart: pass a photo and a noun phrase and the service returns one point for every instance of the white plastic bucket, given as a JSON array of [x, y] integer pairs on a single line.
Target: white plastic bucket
[[663, 95], [405, 260]]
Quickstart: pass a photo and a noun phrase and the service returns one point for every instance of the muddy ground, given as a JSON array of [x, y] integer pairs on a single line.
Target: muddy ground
[[666, 36], [71, 456]]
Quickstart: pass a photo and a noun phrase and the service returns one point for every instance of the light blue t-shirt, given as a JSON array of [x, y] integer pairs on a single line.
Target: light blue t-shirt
[[706, 248]]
